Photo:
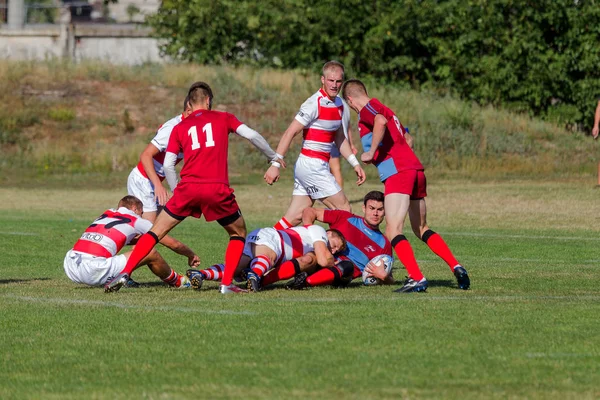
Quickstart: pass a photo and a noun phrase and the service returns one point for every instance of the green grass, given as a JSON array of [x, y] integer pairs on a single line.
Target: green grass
[[527, 329]]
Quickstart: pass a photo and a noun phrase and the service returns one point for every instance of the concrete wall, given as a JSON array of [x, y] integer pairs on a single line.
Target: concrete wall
[[120, 44]]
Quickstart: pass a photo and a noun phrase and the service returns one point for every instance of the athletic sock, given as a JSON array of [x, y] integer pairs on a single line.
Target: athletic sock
[[282, 224], [144, 246], [260, 265], [172, 279], [407, 257], [232, 258], [325, 276], [439, 247], [286, 270], [214, 272]]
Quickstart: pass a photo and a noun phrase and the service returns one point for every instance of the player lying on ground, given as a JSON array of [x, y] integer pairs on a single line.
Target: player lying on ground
[[364, 242], [204, 189], [271, 255], [384, 140], [145, 180], [323, 119], [94, 261]]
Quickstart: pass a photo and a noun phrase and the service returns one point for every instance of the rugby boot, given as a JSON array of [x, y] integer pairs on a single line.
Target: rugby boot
[[410, 285], [298, 283], [253, 282], [462, 277], [196, 278], [116, 283], [231, 289]]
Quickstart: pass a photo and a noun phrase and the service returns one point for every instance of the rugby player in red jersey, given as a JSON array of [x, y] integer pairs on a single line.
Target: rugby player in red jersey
[[204, 189], [384, 140]]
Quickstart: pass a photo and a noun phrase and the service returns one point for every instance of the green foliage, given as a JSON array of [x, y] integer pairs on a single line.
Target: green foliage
[[61, 114], [537, 57]]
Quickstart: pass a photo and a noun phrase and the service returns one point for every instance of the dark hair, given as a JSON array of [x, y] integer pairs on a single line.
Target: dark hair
[[130, 202], [351, 87], [198, 92], [186, 103], [373, 195], [342, 238]]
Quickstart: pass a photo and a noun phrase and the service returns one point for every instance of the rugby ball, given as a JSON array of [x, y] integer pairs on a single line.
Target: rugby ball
[[387, 261]]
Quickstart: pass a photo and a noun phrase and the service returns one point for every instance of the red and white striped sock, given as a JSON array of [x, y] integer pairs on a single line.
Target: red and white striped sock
[[260, 265], [282, 224], [214, 272], [172, 279]]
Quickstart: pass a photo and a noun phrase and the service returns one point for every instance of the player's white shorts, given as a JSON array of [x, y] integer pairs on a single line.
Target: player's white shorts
[[90, 270], [265, 237], [142, 188], [312, 177]]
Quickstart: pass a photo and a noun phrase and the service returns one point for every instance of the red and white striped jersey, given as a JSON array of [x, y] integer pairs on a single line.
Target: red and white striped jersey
[[110, 232], [299, 240], [160, 141], [321, 118]]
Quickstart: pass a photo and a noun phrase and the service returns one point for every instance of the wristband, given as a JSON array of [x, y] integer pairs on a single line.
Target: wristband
[[352, 160], [278, 156], [275, 164]]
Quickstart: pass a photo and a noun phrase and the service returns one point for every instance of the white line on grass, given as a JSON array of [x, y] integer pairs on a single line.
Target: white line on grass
[[503, 236], [121, 305], [20, 233]]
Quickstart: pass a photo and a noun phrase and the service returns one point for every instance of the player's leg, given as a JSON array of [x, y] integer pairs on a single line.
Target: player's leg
[[293, 215], [236, 228], [418, 220], [263, 260], [339, 275], [288, 269], [336, 170], [160, 268], [396, 207], [338, 201]]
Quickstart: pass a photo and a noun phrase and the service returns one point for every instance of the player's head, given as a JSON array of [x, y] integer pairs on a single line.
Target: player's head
[[200, 96], [187, 107], [337, 242], [132, 203], [332, 77], [373, 208], [355, 92]]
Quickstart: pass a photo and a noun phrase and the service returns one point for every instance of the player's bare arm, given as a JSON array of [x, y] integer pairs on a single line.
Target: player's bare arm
[[272, 174], [182, 249], [409, 140], [378, 271], [378, 132], [324, 256], [343, 144], [147, 159], [311, 214], [596, 128]]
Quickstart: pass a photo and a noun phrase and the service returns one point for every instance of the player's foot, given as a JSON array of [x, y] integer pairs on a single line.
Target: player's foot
[[231, 289], [253, 282], [116, 283], [410, 285], [243, 276], [196, 278], [462, 277], [131, 284], [183, 283], [298, 283]]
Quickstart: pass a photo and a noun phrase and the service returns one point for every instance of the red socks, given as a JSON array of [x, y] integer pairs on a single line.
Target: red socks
[[286, 270], [232, 258], [144, 246], [439, 247], [407, 257], [282, 224]]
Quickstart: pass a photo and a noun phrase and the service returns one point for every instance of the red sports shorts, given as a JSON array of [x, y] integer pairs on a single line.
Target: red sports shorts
[[213, 200], [411, 182]]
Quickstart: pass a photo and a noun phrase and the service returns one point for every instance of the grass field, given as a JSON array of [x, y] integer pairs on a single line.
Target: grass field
[[527, 329]]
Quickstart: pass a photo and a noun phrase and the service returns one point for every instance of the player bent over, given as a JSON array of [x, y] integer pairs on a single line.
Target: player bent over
[[364, 242], [94, 261], [323, 119], [384, 140], [203, 137], [281, 253], [145, 180]]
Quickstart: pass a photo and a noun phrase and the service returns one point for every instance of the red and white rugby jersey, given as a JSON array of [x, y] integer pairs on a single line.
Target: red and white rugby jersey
[[110, 232], [321, 118], [160, 141], [299, 240]]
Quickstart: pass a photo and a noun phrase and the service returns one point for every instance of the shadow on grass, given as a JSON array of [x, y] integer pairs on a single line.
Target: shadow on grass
[[9, 281]]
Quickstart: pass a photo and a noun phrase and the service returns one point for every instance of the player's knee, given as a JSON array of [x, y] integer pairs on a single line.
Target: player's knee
[[306, 261]]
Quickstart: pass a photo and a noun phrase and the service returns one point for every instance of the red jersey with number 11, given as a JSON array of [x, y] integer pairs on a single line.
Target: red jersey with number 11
[[203, 137]]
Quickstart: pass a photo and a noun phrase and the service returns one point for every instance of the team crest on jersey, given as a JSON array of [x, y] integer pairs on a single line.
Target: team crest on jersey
[[369, 248]]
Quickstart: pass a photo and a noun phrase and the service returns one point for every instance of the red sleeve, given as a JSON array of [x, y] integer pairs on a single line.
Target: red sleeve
[[332, 217], [174, 146], [232, 122]]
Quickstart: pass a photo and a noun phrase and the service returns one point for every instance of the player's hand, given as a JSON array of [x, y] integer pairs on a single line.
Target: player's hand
[[361, 176], [595, 132], [161, 195], [354, 149], [378, 271], [272, 175], [194, 261], [367, 157]]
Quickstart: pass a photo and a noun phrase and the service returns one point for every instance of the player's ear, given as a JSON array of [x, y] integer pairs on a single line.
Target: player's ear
[[322, 80]]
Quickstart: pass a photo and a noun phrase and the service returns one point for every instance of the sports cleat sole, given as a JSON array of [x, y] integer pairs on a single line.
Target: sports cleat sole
[[231, 289], [253, 284], [195, 277], [116, 284]]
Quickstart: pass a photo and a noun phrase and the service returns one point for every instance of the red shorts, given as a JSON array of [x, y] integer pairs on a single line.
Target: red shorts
[[411, 182], [213, 200]]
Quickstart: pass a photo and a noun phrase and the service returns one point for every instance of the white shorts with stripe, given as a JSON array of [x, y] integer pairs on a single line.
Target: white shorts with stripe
[[312, 177], [264, 237], [141, 187], [91, 270]]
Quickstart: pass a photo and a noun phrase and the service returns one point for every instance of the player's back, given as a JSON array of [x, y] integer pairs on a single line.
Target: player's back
[[203, 137], [300, 240]]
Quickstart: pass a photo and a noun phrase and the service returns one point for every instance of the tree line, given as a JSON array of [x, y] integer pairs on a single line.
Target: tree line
[[534, 56]]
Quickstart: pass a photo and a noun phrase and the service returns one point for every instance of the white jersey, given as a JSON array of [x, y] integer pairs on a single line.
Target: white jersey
[[288, 243], [160, 141], [108, 234], [322, 117]]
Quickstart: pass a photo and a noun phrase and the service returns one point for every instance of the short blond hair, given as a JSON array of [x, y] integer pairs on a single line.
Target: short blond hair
[[331, 65]]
